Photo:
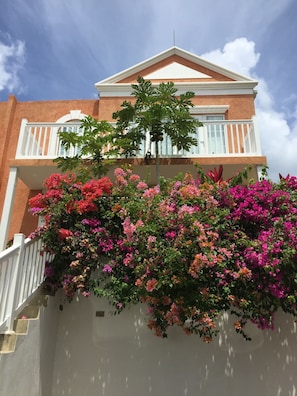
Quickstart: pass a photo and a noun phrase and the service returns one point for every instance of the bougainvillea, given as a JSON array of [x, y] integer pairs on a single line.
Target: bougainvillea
[[190, 248]]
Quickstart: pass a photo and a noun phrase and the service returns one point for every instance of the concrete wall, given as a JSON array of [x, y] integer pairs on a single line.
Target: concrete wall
[[28, 371], [74, 352], [118, 355]]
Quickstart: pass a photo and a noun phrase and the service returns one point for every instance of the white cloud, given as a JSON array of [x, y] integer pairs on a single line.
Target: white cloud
[[278, 138], [12, 59], [238, 55]]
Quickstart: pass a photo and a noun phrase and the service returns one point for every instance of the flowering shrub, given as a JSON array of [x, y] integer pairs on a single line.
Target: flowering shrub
[[190, 248]]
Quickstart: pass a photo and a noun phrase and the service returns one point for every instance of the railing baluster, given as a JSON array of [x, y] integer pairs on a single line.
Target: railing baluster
[[238, 139], [27, 137], [247, 141], [44, 140], [232, 139]]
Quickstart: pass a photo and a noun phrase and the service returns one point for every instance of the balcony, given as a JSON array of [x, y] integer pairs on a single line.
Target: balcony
[[234, 144], [215, 139]]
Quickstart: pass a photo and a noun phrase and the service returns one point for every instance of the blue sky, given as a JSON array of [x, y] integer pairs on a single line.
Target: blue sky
[[58, 49]]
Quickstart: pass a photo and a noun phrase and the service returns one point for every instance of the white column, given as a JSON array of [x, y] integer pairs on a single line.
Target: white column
[[23, 140], [257, 136], [261, 175], [7, 207]]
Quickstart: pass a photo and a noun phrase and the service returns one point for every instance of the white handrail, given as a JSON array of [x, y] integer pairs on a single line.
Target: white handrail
[[21, 273]]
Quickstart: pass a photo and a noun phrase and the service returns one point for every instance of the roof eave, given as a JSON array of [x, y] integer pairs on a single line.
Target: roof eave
[[223, 87]]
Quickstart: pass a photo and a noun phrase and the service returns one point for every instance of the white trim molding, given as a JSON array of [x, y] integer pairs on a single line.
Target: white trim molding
[[199, 88], [72, 115], [220, 109]]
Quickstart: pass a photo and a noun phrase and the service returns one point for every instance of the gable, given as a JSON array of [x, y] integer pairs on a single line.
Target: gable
[[175, 71], [186, 70]]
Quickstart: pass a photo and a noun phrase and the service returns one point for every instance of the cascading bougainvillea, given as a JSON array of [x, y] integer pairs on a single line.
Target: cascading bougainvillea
[[190, 248]]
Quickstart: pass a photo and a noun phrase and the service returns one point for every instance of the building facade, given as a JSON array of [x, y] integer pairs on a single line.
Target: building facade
[[83, 350], [224, 102]]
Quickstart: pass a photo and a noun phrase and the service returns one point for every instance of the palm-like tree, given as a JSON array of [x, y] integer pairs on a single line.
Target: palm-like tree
[[159, 111]]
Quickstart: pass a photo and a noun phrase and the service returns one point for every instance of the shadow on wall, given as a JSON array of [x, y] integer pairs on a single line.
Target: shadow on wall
[[49, 322], [118, 355]]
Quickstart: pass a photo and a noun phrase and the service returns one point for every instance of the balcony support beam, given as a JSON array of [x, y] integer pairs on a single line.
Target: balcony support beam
[[8, 206]]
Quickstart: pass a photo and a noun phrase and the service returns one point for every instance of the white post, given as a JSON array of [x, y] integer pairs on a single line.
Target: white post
[[260, 174], [257, 136], [20, 153], [7, 207], [18, 241], [203, 140]]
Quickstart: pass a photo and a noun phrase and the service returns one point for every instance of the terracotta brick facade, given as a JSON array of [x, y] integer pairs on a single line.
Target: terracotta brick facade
[[239, 106], [12, 112]]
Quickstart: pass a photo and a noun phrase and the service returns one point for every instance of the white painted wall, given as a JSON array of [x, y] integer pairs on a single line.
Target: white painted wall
[[119, 356], [28, 371], [76, 353]]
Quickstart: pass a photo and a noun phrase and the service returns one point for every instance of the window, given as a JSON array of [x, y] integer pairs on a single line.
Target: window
[[216, 135], [211, 137]]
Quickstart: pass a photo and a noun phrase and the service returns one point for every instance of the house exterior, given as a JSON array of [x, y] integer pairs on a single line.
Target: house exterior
[[224, 102], [82, 349]]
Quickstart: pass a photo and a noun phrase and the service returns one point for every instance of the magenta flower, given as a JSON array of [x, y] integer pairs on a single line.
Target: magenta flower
[[188, 249], [107, 268]]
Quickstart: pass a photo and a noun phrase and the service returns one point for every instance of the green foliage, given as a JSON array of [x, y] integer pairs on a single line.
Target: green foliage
[[94, 149], [158, 111]]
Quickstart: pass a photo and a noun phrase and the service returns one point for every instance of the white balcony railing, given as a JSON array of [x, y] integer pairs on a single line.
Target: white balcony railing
[[215, 138], [21, 273]]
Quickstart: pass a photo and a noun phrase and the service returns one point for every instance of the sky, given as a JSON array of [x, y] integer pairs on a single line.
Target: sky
[[58, 49]]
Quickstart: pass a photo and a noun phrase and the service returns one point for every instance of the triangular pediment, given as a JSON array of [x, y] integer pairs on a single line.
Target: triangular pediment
[[177, 65], [175, 71]]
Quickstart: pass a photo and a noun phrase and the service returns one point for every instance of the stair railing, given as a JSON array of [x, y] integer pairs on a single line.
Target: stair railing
[[21, 274]]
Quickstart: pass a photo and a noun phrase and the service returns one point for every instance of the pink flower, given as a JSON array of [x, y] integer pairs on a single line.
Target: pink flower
[[129, 228], [170, 234], [151, 284], [139, 223], [107, 268], [151, 192], [150, 241], [121, 181], [141, 186], [134, 178], [119, 172], [128, 259]]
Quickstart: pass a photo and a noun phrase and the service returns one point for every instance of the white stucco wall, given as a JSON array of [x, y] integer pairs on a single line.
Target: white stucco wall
[[73, 352], [119, 356], [28, 371]]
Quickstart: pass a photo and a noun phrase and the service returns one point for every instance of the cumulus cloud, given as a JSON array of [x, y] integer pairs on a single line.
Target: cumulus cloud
[[278, 138], [238, 55], [12, 59]]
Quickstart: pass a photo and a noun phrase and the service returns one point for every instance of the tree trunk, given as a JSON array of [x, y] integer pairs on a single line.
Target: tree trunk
[[157, 162]]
